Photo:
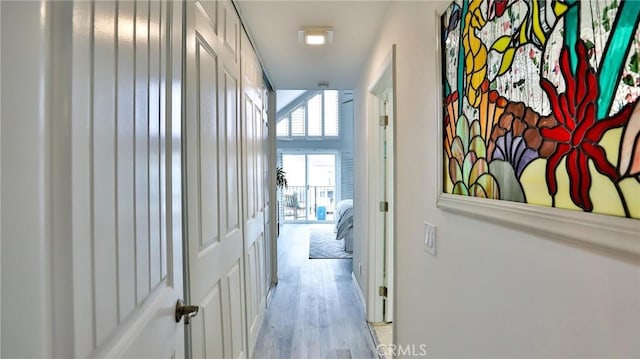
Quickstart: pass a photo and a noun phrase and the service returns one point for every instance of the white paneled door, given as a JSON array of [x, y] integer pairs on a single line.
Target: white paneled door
[[126, 215], [213, 167], [94, 83]]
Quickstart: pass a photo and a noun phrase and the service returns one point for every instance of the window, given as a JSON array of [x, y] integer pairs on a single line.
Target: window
[[282, 128], [331, 113], [297, 122], [315, 115]]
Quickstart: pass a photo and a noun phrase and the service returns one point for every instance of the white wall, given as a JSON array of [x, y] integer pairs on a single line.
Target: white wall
[[491, 291], [286, 96], [25, 178]]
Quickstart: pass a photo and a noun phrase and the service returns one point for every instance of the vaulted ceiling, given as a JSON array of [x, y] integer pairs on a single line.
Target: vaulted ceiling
[[273, 27]]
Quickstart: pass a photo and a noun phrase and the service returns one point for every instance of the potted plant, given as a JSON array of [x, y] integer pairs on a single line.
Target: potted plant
[[281, 179], [281, 183]]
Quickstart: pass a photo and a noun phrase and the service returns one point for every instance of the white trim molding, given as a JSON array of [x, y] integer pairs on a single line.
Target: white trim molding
[[609, 233], [359, 294]]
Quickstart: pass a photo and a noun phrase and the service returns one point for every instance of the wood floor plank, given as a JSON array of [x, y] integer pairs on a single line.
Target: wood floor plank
[[314, 311]]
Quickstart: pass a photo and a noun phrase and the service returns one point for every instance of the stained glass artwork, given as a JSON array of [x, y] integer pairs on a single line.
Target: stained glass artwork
[[540, 103]]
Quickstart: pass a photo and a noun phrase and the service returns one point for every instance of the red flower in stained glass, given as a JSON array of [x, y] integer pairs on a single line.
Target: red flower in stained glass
[[577, 132]]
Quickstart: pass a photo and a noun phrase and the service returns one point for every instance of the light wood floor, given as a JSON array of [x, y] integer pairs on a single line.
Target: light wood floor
[[314, 311]]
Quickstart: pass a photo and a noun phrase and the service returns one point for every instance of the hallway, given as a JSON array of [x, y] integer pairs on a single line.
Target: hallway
[[140, 143], [314, 310]]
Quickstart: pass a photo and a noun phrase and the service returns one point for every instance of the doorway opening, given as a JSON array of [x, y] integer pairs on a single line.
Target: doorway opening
[[314, 148], [381, 104]]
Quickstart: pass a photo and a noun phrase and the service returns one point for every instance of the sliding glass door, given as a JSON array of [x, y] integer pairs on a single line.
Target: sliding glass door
[[311, 191]]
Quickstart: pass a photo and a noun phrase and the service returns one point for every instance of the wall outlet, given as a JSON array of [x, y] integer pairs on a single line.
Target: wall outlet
[[430, 238]]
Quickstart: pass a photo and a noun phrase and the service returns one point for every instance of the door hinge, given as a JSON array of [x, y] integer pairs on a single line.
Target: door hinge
[[384, 121], [382, 291], [384, 206]]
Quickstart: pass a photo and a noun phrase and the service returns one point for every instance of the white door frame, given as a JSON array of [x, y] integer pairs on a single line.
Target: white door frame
[[273, 191], [385, 82]]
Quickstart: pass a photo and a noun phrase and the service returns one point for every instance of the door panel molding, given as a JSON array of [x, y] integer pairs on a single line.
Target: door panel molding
[[207, 130], [208, 324], [233, 211]]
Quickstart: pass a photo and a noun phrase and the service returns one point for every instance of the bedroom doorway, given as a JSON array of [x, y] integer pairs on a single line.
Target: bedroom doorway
[[311, 192]]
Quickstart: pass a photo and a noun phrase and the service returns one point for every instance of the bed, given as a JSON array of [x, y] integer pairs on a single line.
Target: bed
[[344, 223]]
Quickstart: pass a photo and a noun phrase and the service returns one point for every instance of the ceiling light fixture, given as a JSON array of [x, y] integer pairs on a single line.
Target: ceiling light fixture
[[315, 36]]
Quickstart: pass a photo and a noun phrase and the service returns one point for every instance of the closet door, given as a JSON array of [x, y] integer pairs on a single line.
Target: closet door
[[213, 198]]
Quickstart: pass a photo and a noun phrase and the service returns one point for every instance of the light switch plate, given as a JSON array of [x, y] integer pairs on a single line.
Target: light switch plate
[[430, 238]]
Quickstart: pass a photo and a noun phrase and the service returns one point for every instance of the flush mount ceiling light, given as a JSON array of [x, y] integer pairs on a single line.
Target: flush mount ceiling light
[[316, 35]]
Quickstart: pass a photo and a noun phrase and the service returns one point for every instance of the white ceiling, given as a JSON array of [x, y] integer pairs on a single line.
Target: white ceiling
[[290, 65]]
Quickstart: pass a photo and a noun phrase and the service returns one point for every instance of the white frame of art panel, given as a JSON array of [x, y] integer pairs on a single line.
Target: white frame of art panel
[[603, 233]]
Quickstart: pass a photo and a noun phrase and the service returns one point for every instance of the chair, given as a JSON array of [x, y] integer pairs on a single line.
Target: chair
[[292, 206]]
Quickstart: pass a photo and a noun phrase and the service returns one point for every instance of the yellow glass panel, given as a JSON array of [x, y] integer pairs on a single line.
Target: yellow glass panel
[[631, 189], [533, 183], [611, 144], [603, 193]]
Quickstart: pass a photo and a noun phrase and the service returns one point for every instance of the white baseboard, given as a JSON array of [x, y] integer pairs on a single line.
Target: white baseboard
[[272, 288], [356, 286]]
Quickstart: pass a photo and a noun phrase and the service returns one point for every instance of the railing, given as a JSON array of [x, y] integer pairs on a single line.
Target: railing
[[307, 203]]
